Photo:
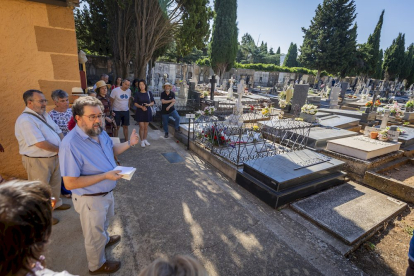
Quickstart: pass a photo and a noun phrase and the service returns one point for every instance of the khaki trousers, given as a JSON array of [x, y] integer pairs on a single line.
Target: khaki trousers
[[46, 170], [95, 214]]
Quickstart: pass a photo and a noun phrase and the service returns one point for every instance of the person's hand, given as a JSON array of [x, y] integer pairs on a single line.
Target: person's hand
[[113, 114], [1, 148], [173, 100], [144, 108], [168, 108], [134, 139], [113, 175], [108, 120]]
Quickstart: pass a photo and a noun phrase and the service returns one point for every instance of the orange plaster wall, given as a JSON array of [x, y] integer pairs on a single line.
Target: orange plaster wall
[[27, 64]]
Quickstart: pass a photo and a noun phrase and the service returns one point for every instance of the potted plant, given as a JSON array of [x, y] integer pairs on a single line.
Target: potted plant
[[409, 106], [308, 112]]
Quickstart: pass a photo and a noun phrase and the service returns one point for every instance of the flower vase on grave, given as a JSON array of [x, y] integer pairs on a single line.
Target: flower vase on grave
[[308, 117]]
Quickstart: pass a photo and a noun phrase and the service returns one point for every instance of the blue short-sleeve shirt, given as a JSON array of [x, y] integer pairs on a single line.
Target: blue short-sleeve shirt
[[80, 155]]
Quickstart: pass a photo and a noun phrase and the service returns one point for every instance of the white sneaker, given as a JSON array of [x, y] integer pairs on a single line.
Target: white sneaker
[[143, 144], [147, 143]]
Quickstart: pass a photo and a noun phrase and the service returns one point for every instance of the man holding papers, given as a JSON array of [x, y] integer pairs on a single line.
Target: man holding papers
[[87, 165]]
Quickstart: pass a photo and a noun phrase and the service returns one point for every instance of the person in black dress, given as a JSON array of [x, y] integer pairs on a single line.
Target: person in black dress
[[143, 115]]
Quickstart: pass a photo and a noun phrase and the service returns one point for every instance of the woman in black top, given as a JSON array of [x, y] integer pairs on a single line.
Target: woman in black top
[[143, 115]]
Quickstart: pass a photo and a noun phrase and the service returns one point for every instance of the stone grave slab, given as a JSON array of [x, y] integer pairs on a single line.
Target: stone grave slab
[[348, 113], [319, 136], [407, 138], [350, 211], [300, 94], [322, 114], [362, 147], [339, 121], [281, 179]]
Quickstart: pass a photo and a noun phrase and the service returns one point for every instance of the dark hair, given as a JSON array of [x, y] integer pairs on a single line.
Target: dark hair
[[133, 83], [146, 87], [124, 80], [25, 224], [104, 76], [177, 266], [117, 79], [80, 103], [28, 95], [59, 94]]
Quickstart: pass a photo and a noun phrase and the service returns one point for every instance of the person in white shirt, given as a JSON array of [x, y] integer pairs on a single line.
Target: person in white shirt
[[120, 98], [39, 138]]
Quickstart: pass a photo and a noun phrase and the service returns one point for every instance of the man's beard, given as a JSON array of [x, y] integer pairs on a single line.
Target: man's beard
[[94, 132]]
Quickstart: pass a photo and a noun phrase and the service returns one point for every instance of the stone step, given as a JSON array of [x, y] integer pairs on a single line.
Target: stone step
[[276, 199]]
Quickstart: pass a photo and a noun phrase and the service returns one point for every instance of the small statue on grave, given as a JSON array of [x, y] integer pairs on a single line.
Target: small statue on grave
[[230, 91], [240, 92]]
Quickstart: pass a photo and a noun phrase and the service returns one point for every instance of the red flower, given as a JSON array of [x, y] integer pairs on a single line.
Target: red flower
[[251, 107], [205, 135], [215, 137], [202, 131], [222, 138]]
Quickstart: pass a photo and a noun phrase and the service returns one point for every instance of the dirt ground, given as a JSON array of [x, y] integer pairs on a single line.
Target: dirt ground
[[386, 253], [403, 173]]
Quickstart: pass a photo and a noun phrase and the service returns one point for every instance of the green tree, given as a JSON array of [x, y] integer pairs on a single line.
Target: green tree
[[263, 48], [224, 38], [330, 41], [278, 51], [91, 26], [271, 51], [374, 43], [291, 56], [194, 31], [379, 74], [394, 58], [408, 62]]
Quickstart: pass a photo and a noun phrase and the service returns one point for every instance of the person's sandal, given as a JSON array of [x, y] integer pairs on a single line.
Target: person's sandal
[[107, 268]]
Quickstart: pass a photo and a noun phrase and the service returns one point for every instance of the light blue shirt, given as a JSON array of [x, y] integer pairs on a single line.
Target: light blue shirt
[[80, 155]]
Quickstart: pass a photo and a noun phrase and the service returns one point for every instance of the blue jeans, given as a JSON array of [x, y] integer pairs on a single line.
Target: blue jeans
[[411, 250], [165, 118]]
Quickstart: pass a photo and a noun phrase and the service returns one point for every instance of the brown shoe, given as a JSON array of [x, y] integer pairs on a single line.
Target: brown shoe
[[107, 268], [63, 207], [113, 240], [54, 221]]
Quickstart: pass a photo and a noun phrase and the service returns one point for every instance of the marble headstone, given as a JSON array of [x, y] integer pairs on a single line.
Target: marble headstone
[[362, 147], [300, 94], [344, 87]]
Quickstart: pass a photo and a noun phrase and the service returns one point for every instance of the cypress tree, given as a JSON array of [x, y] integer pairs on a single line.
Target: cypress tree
[[224, 38], [291, 56], [378, 69], [408, 62], [394, 58], [271, 51], [374, 42], [278, 51], [330, 41]]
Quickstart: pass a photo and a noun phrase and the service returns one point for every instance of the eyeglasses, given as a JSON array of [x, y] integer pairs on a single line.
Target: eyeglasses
[[92, 118], [40, 101], [63, 100]]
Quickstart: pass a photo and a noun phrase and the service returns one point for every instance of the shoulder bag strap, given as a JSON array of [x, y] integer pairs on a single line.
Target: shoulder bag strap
[[44, 121]]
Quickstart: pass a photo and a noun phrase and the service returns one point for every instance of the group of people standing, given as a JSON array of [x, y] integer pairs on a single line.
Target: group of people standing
[[68, 149]]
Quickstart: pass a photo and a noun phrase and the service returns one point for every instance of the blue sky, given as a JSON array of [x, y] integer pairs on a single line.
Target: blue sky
[[279, 22]]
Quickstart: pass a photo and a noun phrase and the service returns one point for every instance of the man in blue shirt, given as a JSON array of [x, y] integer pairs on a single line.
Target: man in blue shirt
[[86, 158]]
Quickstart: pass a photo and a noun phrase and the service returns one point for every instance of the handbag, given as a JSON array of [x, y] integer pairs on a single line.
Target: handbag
[[153, 107]]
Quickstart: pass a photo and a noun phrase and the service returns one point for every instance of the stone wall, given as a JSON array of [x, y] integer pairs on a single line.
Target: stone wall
[[38, 51]]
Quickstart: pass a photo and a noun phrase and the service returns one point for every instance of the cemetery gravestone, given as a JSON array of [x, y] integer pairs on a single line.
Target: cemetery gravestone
[[334, 97], [300, 95], [362, 147], [304, 172], [344, 87]]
